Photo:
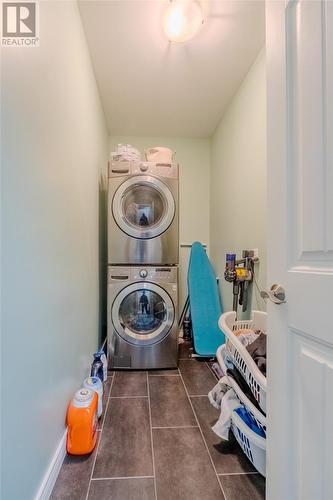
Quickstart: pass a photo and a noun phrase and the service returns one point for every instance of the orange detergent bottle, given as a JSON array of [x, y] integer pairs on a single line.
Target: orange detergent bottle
[[82, 422]]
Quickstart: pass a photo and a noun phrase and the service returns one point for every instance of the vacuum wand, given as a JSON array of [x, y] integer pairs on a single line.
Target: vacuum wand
[[230, 275], [235, 294]]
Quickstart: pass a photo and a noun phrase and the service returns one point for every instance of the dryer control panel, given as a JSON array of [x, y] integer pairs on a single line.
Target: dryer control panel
[[162, 274], [124, 168]]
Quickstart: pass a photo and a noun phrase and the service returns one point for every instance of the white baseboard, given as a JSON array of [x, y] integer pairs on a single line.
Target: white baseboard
[[53, 470]]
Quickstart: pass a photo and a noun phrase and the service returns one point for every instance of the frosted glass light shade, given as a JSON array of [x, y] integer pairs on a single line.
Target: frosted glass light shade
[[182, 20]]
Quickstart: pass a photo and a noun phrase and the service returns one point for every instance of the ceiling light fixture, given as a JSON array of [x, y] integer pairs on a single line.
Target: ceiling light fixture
[[183, 19]]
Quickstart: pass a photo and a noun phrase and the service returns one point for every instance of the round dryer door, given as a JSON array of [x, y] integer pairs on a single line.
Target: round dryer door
[[143, 313], [143, 207]]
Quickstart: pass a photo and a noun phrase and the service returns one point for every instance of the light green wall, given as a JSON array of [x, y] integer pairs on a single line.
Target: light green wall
[[193, 156], [54, 157], [238, 179]]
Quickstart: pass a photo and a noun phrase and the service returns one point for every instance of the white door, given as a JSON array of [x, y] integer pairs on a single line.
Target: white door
[[300, 172]]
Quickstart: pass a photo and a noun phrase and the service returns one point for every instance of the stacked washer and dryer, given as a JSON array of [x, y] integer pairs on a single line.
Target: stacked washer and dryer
[[143, 257]]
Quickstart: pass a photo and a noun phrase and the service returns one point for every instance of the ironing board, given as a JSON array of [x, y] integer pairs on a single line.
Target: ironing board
[[205, 303]]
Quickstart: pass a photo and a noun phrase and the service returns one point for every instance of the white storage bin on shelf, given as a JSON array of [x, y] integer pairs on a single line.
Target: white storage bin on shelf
[[253, 445], [240, 356]]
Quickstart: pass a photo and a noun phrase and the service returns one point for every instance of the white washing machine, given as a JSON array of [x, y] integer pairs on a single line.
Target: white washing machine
[[143, 226], [142, 317]]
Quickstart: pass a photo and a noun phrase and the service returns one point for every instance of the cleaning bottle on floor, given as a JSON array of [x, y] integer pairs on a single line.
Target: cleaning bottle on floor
[[105, 364], [97, 367], [82, 422], [95, 384]]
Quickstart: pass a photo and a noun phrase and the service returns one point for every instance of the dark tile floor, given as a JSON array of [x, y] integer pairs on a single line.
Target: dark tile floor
[[156, 443]]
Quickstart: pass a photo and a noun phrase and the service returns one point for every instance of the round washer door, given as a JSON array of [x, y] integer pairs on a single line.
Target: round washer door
[[143, 207], [142, 313]]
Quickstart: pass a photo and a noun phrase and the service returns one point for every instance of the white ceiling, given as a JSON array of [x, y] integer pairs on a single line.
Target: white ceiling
[[149, 86]]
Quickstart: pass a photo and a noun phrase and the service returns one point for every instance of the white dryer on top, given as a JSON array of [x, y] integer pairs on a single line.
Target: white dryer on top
[[143, 226]]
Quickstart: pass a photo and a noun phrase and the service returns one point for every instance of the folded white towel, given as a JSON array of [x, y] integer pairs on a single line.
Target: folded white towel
[[126, 152]]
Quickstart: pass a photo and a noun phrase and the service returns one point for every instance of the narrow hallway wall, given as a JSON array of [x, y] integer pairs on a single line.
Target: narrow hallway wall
[[238, 180], [54, 159], [193, 156]]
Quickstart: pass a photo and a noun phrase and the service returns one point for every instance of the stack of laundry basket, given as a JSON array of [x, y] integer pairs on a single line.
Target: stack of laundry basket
[[248, 411]]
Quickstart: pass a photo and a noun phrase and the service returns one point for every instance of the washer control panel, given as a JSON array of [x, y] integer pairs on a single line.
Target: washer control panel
[[166, 274], [161, 274]]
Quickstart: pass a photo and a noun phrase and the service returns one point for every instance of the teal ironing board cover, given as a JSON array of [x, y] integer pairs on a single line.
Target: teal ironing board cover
[[205, 303]]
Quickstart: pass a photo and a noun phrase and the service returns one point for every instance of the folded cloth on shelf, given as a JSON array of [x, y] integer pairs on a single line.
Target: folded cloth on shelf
[[126, 152], [215, 396], [228, 404], [249, 420], [257, 351], [238, 377]]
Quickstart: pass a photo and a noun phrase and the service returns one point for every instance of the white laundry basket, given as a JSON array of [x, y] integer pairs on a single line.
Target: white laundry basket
[[253, 445], [256, 414], [239, 354]]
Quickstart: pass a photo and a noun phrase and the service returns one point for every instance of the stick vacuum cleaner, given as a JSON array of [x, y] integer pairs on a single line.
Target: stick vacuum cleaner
[[240, 273]]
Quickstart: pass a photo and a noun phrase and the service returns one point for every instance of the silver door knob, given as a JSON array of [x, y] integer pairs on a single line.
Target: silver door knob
[[276, 294]]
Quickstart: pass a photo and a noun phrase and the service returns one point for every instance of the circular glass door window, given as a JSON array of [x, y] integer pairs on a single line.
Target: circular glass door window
[[143, 315], [143, 207]]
